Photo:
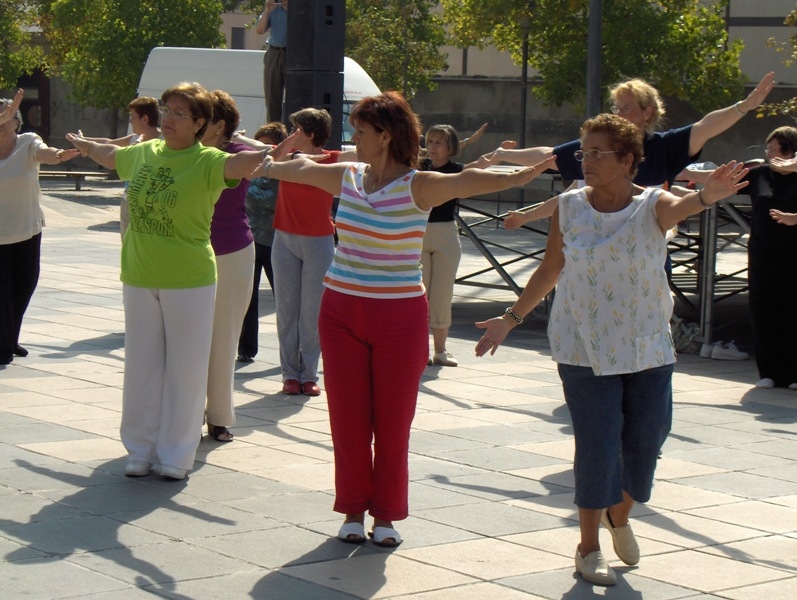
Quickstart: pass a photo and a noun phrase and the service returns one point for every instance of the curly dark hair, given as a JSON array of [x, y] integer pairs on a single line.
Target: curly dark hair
[[624, 136]]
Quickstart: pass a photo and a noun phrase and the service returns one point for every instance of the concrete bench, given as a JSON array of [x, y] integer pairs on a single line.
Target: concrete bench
[[78, 176]]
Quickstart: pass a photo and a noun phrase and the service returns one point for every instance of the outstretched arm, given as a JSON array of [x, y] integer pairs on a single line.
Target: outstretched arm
[[432, 189], [540, 284], [302, 169], [472, 139], [55, 156], [483, 163], [724, 181], [102, 154], [525, 156], [718, 121]]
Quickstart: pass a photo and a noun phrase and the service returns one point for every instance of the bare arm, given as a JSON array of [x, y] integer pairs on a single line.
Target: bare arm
[[121, 142], [432, 189], [301, 169], [525, 215], [473, 138], [723, 182], [714, 123], [482, 162], [542, 281], [55, 156], [102, 154], [524, 156], [261, 27]]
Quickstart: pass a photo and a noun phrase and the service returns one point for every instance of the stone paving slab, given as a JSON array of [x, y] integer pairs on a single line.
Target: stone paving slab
[[491, 468]]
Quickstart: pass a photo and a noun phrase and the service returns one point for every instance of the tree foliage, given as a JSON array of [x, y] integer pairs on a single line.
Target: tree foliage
[[100, 46], [680, 46], [789, 106], [19, 55], [397, 41]]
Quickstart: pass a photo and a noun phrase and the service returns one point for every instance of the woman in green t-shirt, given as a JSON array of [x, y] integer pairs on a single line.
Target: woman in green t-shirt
[[169, 277]]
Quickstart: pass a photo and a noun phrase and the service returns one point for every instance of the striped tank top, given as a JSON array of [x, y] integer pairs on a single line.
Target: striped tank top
[[380, 237]]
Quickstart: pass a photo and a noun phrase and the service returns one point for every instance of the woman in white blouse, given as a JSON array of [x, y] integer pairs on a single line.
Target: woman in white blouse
[[21, 220], [609, 328]]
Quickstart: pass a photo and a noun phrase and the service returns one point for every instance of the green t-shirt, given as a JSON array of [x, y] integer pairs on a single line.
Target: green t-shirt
[[171, 196]]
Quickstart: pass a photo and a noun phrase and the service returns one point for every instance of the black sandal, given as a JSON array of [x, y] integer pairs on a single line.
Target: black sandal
[[220, 433]]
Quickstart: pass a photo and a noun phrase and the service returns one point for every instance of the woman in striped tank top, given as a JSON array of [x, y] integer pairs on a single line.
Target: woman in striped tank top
[[374, 314]]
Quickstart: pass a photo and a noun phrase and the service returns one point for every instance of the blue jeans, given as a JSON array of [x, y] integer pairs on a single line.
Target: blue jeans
[[300, 263], [620, 423]]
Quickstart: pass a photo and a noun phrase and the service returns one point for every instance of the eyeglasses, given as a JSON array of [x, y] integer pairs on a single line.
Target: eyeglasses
[[623, 110], [167, 112], [593, 154]]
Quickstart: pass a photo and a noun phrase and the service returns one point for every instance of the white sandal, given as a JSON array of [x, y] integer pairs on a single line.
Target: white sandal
[[387, 537], [352, 533]]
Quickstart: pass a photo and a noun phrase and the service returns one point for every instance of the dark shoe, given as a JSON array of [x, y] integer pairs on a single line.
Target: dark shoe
[[291, 387], [220, 433], [310, 388], [245, 358], [20, 351], [6, 360]]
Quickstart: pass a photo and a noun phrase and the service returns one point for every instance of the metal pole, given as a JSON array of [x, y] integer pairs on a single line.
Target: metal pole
[[524, 92], [594, 44]]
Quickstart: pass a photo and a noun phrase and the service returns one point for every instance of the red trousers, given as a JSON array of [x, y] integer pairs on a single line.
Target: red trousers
[[375, 351]]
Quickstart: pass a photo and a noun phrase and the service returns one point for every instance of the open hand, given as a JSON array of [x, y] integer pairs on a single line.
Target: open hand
[[782, 217], [725, 181], [9, 111], [496, 330]]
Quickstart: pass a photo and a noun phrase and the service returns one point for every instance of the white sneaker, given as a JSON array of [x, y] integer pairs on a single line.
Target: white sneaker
[[172, 472], [793, 386], [728, 351], [444, 359], [707, 349], [765, 384], [137, 468]]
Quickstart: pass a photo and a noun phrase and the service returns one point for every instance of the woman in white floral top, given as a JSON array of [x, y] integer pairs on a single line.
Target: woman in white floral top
[[609, 328]]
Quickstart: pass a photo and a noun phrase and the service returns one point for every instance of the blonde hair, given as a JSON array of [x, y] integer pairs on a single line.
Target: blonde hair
[[646, 95]]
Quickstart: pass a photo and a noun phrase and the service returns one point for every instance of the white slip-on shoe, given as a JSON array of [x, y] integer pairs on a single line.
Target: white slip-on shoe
[[594, 568], [168, 472], [793, 386], [444, 359], [765, 384], [625, 544], [137, 468]]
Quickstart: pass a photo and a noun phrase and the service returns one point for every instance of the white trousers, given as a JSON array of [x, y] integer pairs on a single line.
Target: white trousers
[[233, 293], [167, 345]]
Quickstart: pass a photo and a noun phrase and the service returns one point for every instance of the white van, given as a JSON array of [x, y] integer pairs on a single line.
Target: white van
[[240, 74]]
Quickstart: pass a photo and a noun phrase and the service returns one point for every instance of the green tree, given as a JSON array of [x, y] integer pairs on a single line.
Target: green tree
[[789, 48], [19, 55], [396, 41], [680, 46], [99, 47]]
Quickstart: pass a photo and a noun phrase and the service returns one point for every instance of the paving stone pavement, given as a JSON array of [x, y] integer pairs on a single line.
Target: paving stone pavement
[[491, 494]]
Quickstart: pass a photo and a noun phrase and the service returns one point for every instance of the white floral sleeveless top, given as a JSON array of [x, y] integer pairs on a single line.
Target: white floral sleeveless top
[[612, 306]]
